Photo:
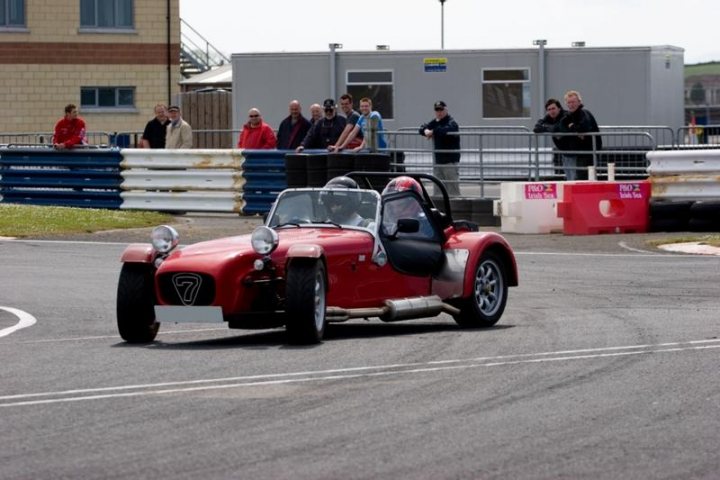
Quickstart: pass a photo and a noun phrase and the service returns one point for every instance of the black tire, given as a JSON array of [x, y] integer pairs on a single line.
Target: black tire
[[707, 209], [136, 303], [486, 304], [704, 225], [305, 301], [668, 224]]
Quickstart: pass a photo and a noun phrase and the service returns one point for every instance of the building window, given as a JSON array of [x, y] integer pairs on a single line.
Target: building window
[[12, 13], [107, 97], [106, 14], [506, 93], [377, 86]]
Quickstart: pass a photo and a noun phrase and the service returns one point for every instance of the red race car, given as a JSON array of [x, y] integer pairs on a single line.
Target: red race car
[[324, 255]]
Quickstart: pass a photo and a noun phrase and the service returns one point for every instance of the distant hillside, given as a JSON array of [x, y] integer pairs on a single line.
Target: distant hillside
[[710, 68]]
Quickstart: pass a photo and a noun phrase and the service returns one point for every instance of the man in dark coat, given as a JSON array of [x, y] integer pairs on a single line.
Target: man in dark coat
[[293, 129], [551, 123], [445, 147], [326, 131], [578, 120]]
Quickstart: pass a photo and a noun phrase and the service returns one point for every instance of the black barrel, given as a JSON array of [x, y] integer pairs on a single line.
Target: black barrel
[[339, 164], [317, 174], [397, 161], [372, 162], [296, 170]]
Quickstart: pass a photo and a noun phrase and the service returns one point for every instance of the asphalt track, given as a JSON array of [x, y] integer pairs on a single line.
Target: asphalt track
[[603, 366]]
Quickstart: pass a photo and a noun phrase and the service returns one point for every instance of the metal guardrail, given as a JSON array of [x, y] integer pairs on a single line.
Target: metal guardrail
[[685, 175], [489, 157], [81, 177]]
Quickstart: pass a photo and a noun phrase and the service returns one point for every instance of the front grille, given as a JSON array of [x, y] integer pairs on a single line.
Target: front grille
[[187, 288]]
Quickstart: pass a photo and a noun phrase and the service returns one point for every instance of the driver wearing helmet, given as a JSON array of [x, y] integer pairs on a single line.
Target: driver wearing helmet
[[342, 201], [406, 206]]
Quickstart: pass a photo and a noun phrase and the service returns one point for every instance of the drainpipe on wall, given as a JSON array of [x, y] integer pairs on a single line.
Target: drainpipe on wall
[[333, 76], [541, 75], [169, 56]]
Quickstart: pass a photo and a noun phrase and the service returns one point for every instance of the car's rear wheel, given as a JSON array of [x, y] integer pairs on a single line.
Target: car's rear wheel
[[305, 301], [136, 303], [487, 301]]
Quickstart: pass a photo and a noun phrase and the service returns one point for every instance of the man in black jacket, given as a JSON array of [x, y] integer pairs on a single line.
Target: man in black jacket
[[578, 121], [326, 131], [293, 129], [551, 123], [446, 147]]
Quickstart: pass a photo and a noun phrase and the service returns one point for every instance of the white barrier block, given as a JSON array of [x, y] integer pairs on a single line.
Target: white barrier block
[[181, 158], [529, 207], [684, 174], [183, 201], [675, 162], [140, 179]]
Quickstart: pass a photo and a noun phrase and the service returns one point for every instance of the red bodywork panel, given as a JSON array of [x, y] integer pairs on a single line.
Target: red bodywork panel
[[354, 281], [138, 253], [477, 243]]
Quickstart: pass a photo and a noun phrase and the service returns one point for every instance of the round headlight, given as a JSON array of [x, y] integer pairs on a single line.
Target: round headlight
[[264, 240], [164, 238]]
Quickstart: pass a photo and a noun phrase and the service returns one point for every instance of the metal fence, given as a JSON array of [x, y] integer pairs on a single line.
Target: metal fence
[[489, 154]]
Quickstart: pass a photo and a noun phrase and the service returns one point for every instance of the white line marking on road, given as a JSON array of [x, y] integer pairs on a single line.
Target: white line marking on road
[[633, 255], [117, 337], [70, 242], [348, 373], [25, 320], [638, 250]]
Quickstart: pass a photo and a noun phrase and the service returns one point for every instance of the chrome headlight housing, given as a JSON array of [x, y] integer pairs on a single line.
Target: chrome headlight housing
[[264, 240], [164, 238]]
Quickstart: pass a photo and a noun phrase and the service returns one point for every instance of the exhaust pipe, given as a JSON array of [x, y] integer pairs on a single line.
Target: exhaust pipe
[[416, 307]]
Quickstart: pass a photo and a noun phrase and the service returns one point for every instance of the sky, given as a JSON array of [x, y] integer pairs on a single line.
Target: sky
[[245, 26]]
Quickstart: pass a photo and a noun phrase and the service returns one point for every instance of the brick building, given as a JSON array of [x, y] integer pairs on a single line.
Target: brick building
[[114, 59]]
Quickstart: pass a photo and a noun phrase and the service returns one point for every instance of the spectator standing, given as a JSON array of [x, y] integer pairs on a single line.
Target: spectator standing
[[446, 161], [155, 130], [368, 116], [69, 130], [551, 123], [178, 133], [578, 121], [256, 134], [351, 119], [293, 128], [326, 131], [316, 112]]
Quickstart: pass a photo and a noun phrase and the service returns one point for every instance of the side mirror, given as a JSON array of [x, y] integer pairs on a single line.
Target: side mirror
[[408, 225]]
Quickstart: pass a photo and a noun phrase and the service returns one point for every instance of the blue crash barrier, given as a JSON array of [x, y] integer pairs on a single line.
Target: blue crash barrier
[[177, 180], [81, 177], [264, 174]]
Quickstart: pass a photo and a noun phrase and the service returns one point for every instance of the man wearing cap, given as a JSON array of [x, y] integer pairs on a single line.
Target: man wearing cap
[[445, 147], [179, 132], [326, 131]]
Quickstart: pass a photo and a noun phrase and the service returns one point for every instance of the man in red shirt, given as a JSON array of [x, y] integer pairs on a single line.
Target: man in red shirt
[[256, 134], [69, 130]]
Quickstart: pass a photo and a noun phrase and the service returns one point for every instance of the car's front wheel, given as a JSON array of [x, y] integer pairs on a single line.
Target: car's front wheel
[[487, 301], [136, 303], [305, 301]]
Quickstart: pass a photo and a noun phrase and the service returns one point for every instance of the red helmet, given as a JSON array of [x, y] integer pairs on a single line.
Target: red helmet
[[401, 184]]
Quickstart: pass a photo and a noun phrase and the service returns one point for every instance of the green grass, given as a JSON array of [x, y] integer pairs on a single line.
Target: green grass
[[34, 221], [710, 68], [710, 239]]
